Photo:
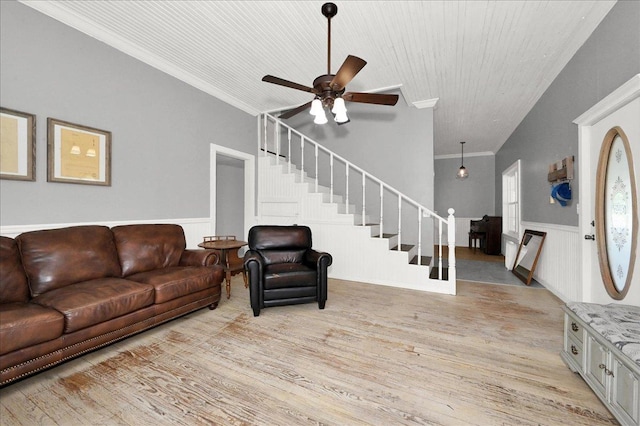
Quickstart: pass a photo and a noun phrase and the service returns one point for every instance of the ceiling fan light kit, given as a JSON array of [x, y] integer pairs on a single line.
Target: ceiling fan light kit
[[329, 89]]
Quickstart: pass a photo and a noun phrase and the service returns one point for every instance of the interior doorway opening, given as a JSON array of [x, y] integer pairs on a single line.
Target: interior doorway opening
[[232, 191]]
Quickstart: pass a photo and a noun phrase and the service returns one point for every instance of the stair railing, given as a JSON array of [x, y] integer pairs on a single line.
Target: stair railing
[[277, 129]]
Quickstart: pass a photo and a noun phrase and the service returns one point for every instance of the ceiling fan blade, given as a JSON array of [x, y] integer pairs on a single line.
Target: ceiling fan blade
[[371, 98], [287, 83], [350, 67], [290, 113]]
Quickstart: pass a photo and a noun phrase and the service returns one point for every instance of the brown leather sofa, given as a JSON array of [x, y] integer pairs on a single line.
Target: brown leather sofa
[[283, 269], [65, 292]]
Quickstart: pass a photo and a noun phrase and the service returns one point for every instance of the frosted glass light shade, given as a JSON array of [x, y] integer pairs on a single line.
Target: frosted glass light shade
[[321, 118], [341, 117], [339, 107], [316, 107]]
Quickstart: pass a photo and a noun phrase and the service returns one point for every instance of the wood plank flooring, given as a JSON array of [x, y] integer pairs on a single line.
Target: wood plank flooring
[[376, 355]]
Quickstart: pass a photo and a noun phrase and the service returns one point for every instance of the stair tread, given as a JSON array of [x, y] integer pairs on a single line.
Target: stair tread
[[384, 235], [426, 260], [404, 247], [434, 273]]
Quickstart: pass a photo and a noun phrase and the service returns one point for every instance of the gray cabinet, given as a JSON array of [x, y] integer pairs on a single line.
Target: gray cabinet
[[612, 376]]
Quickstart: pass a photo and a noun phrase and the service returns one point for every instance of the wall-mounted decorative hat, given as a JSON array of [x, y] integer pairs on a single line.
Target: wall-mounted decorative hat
[[561, 193]]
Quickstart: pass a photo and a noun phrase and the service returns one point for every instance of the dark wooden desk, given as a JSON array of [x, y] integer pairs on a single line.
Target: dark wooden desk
[[227, 246]]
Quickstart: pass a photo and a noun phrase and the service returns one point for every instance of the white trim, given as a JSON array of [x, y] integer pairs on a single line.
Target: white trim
[[114, 40], [609, 105], [612, 102], [471, 154], [194, 228], [427, 103], [514, 170], [537, 225], [249, 184]]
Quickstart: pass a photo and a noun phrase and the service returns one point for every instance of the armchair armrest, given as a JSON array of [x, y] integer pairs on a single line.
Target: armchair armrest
[[253, 259], [318, 260], [254, 266], [199, 258]]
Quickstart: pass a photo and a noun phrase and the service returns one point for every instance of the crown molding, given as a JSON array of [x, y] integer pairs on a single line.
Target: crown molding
[[615, 100], [472, 154], [427, 103], [59, 13]]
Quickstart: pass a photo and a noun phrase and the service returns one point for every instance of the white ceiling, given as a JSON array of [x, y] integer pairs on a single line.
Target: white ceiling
[[487, 62]]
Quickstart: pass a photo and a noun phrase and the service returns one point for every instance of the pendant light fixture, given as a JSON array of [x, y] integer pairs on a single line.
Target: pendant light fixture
[[462, 171]]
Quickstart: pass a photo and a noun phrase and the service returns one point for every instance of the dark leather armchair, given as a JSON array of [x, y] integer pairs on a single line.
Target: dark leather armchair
[[283, 269]]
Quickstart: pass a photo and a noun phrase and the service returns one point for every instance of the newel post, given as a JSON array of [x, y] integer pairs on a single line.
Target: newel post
[[451, 239]]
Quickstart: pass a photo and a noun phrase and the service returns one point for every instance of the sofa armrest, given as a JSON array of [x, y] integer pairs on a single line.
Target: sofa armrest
[[199, 258], [317, 260]]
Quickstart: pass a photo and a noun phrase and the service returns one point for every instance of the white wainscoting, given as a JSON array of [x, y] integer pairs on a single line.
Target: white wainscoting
[[559, 265], [194, 228]]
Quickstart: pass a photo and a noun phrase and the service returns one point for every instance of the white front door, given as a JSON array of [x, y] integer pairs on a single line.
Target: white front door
[[621, 108]]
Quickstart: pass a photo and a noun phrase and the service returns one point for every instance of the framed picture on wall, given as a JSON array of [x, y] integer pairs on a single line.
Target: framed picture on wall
[[17, 145], [78, 154]]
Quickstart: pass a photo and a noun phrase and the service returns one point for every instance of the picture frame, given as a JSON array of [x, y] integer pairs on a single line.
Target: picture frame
[[17, 145], [526, 260], [78, 154]]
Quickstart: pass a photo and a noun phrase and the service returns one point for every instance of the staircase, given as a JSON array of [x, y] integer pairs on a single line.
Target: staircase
[[366, 246]]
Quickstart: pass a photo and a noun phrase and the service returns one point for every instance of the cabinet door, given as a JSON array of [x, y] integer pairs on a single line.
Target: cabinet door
[[625, 394], [596, 366]]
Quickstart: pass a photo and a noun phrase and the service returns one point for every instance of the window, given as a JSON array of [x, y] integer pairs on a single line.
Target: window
[[511, 200]]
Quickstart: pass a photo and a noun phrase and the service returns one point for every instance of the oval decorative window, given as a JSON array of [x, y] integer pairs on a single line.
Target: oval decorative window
[[616, 213]]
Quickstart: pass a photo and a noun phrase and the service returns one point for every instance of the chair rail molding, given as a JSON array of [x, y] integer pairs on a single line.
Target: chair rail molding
[[194, 228]]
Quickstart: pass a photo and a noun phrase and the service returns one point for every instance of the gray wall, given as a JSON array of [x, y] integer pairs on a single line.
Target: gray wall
[[161, 127], [609, 58], [473, 197], [394, 144], [230, 197]]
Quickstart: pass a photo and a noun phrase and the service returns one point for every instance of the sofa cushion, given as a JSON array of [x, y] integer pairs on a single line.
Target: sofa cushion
[[27, 324], [171, 283], [13, 281], [55, 258], [288, 275], [92, 302], [144, 247]]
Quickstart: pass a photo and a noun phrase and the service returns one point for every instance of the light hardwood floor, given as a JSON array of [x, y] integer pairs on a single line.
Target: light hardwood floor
[[376, 355]]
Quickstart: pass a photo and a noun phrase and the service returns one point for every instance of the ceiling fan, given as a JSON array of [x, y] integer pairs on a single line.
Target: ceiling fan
[[329, 89]]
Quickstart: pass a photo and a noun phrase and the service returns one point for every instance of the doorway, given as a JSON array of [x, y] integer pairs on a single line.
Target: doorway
[[620, 108], [227, 167]]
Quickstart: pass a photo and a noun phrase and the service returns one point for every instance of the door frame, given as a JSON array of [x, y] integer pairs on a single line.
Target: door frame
[[249, 184], [586, 140]]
